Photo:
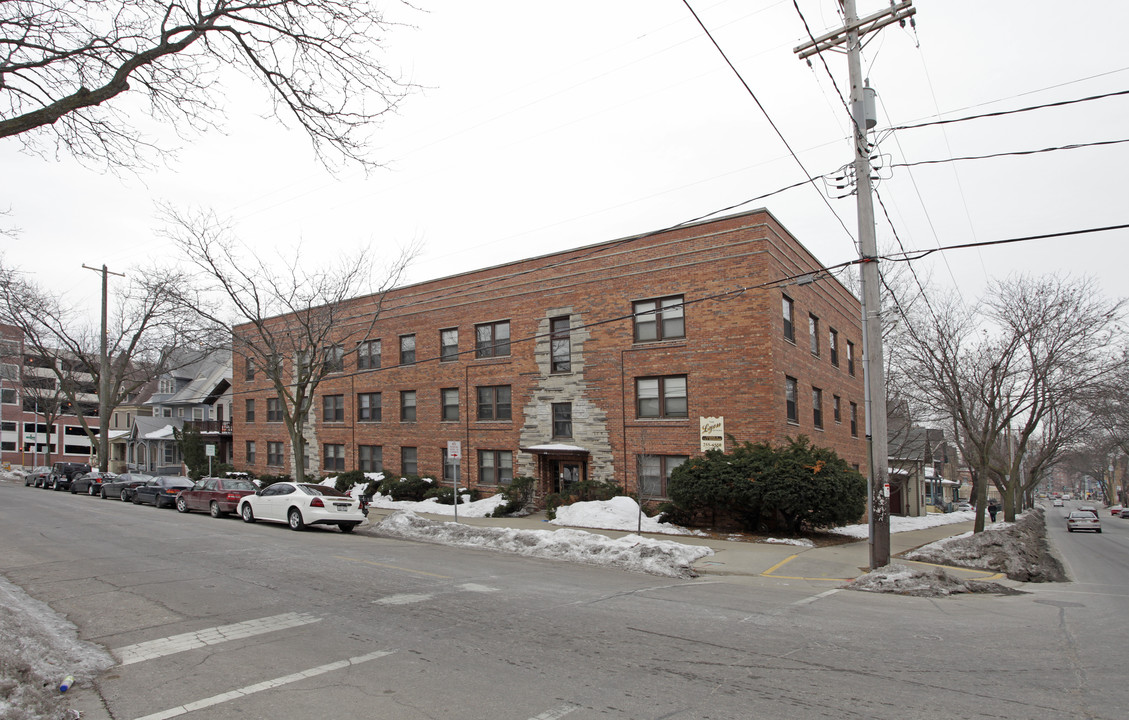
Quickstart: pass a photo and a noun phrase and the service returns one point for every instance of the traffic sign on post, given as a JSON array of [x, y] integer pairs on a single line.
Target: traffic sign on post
[[454, 454]]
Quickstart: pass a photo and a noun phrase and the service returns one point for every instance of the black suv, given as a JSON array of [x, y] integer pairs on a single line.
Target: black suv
[[62, 473]]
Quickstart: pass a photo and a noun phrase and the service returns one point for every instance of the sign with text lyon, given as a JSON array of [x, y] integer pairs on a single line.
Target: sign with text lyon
[[712, 433]]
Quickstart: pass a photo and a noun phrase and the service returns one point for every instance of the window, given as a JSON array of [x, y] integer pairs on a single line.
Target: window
[[370, 458], [850, 358], [172, 451], [165, 386], [249, 415], [369, 407], [368, 355], [562, 420], [813, 333], [661, 319], [333, 408], [449, 345], [492, 339], [407, 406], [661, 397], [449, 398], [250, 452], [789, 315], [333, 457], [8, 396], [837, 408], [790, 399], [654, 473], [817, 407], [407, 349], [833, 346], [334, 359], [274, 410], [494, 402], [197, 413], [165, 412], [449, 468], [854, 420], [495, 467], [560, 345], [249, 369], [409, 462], [274, 453]]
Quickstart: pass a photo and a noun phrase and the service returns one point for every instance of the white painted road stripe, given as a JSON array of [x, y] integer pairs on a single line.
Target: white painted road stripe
[[555, 713], [265, 685], [210, 636], [813, 598]]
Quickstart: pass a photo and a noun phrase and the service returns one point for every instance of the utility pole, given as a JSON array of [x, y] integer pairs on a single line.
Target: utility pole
[[104, 376], [878, 487]]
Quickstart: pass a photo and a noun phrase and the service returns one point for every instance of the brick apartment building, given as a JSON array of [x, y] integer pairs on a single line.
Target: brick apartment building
[[597, 363]]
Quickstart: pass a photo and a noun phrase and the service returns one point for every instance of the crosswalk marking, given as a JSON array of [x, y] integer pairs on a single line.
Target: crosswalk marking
[[265, 685], [210, 636], [556, 713]]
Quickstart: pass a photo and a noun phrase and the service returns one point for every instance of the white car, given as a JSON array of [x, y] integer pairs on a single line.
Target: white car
[[302, 504]]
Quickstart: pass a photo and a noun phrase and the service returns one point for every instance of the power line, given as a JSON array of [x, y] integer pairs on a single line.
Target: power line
[[1072, 146], [1029, 108], [779, 134], [918, 254]]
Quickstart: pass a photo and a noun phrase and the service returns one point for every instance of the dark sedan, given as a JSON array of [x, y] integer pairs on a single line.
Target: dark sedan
[[122, 486], [91, 483], [161, 490], [37, 476], [219, 496]]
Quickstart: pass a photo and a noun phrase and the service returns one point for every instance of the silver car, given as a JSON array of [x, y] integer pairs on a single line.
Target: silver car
[[1083, 520]]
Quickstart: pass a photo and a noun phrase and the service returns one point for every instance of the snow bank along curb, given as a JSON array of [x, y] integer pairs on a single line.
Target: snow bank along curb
[[631, 552], [1019, 549]]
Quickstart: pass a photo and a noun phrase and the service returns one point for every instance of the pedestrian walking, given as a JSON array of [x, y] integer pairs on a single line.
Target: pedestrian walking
[[993, 508]]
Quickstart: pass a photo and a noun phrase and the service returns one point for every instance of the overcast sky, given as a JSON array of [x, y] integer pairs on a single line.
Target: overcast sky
[[547, 126]]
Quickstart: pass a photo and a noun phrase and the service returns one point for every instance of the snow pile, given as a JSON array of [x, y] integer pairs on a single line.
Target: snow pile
[[799, 542], [631, 552], [478, 508], [1018, 549], [922, 582], [619, 513], [37, 650], [905, 524]]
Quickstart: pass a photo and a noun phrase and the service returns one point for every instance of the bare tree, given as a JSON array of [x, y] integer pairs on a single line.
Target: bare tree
[[147, 327], [292, 323], [64, 61], [1010, 375]]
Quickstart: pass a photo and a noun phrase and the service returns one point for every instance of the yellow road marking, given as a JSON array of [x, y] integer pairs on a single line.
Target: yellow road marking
[[790, 558]]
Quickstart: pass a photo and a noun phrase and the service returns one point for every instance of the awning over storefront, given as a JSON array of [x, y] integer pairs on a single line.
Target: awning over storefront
[[557, 450]]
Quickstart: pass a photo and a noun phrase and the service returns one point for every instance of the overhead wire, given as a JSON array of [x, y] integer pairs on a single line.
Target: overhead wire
[[768, 117]]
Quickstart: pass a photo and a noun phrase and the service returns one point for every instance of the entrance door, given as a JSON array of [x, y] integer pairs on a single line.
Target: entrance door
[[566, 473]]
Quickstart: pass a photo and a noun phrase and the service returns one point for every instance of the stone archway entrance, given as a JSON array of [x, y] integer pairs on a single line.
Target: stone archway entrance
[[557, 467]]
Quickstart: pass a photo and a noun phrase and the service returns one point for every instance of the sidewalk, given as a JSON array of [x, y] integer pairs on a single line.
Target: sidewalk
[[835, 563]]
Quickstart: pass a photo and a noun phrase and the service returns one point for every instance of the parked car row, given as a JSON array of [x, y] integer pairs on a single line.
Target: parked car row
[[296, 504]]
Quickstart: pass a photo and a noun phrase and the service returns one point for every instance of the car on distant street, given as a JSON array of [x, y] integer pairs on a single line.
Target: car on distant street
[[1116, 510], [62, 473], [963, 507], [91, 483], [161, 490], [1057, 502], [302, 504], [37, 476], [219, 496], [1083, 520], [1124, 513], [121, 487]]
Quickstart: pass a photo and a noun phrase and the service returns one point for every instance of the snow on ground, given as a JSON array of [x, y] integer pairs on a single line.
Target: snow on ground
[[619, 513], [631, 552], [905, 524], [38, 649]]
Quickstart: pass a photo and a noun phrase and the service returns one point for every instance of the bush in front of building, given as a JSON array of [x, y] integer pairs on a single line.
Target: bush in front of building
[[267, 479], [346, 480], [412, 488], [446, 496], [518, 494], [793, 486]]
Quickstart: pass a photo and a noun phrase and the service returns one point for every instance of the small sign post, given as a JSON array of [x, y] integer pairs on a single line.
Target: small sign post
[[210, 451], [454, 454]]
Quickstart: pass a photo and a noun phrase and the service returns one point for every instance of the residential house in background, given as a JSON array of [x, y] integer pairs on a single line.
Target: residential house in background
[[611, 362], [197, 393], [121, 427], [921, 476]]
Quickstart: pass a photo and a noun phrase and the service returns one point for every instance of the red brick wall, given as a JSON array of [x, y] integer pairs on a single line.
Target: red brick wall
[[734, 356]]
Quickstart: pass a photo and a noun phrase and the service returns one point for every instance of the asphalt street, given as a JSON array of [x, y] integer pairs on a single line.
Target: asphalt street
[[219, 619]]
